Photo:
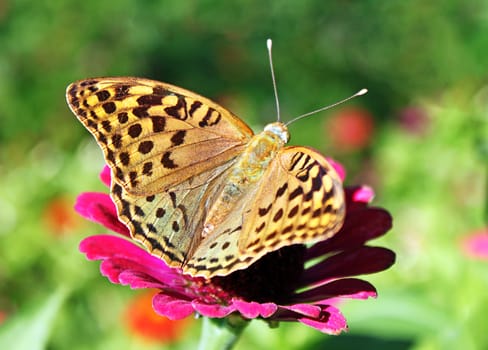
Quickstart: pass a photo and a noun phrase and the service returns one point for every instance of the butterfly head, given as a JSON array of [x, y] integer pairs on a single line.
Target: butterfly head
[[279, 129]]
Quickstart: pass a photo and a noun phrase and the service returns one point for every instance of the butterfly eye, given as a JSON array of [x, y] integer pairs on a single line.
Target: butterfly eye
[[279, 129]]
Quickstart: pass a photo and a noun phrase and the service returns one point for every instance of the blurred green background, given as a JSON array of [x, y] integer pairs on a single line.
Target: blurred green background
[[419, 137]]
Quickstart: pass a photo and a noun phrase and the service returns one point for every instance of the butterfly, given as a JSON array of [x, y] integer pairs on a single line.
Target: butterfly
[[195, 185]]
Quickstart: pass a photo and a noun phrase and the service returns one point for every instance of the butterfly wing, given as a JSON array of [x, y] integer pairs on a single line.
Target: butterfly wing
[[155, 135], [299, 199], [168, 149]]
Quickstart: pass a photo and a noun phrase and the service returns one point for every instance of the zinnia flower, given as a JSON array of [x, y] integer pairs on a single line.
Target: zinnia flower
[[295, 283]]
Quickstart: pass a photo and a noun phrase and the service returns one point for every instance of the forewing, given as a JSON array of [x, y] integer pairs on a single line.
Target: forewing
[[155, 135], [300, 200]]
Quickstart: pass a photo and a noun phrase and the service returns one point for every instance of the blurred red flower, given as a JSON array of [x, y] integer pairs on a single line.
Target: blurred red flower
[[3, 316], [60, 217], [350, 129], [143, 322]]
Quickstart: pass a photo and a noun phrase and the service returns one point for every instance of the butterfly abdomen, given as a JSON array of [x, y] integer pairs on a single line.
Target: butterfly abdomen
[[248, 169]]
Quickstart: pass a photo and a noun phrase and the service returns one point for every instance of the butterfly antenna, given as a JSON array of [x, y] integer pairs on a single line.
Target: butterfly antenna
[[359, 93], [269, 44]]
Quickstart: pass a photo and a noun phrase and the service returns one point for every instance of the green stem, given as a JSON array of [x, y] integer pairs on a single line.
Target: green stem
[[218, 334]]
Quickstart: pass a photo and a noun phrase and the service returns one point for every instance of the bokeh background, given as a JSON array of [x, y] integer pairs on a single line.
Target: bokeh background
[[419, 137]]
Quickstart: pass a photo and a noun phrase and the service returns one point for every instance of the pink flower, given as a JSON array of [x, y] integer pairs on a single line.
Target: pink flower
[[475, 245], [279, 287], [414, 120]]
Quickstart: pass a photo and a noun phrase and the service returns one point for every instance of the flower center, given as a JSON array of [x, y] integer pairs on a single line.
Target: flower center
[[270, 279]]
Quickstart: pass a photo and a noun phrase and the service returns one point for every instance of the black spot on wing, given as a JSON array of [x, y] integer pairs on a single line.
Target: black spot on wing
[[109, 107], [167, 162], [264, 211], [147, 168], [145, 147], [103, 95], [178, 138], [296, 158], [123, 117], [281, 190], [178, 111], [117, 140], [158, 123], [295, 193], [278, 215], [141, 112], [124, 158], [194, 107], [106, 126], [135, 130], [152, 100], [121, 92], [317, 181]]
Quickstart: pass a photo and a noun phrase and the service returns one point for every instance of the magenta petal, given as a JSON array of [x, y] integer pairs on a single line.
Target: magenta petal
[[106, 175], [357, 197], [331, 321], [172, 308], [268, 309], [254, 309], [99, 207], [121, 271], [136, 279], [213, 310], [325, 318], [338, 168], [364, 194], [347, 287], [111, 271], [349, 263], [364, 225], [305, 309], [107, 247]]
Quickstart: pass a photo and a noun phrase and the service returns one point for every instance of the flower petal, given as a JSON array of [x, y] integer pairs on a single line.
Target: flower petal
[[99, 207], [138, 280], [358, 197], [325, 318], [213, 310], [347, 287], [106, 175], [364, 225], [340, 170], [172, 308], [353, 262], [308, 310], [331, 321], [254, 309], [128, 256]]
